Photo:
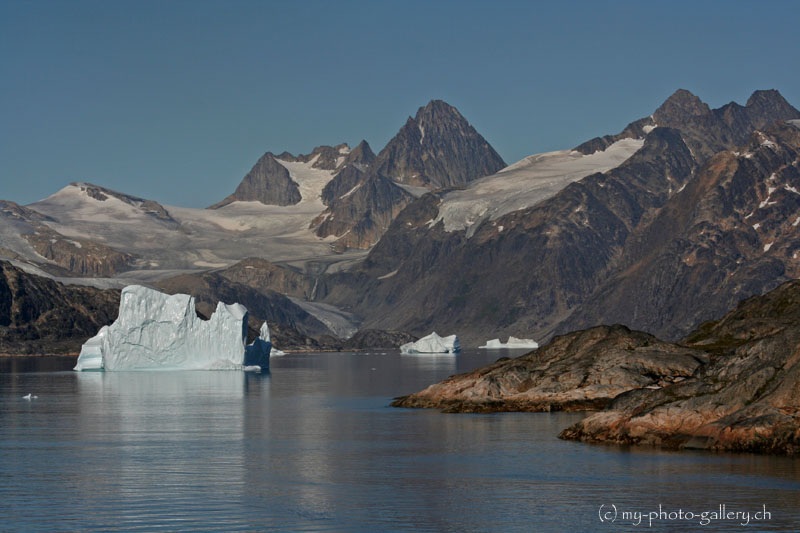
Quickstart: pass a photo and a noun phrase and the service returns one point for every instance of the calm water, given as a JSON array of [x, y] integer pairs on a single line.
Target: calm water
[[314, 446]]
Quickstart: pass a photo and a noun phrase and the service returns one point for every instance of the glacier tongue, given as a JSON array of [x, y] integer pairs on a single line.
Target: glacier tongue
[[155, 331], [433, 343]]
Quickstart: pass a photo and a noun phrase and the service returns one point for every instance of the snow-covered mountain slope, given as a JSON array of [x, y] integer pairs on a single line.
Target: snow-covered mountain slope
[[191, 239], [526, 183]]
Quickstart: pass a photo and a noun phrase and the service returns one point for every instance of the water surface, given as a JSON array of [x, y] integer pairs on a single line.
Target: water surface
[[313, 445]]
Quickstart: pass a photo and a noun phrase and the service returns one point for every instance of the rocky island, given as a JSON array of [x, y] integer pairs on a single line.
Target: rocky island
[[732, 384]]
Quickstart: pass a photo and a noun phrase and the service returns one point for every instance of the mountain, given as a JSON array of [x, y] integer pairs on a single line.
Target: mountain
[[25, 234], [732, 232], [39, 315], [706, 131], [526, 272], [267, 182], [437, 148]]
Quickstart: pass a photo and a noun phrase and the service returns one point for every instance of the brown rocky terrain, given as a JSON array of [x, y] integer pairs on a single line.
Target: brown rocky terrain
[[261, 274], [575, 372], [70, 257], [732, 384], [39, 315], [746, 399]]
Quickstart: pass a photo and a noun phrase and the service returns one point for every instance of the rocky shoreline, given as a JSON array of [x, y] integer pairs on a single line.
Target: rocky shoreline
[[731, 385]]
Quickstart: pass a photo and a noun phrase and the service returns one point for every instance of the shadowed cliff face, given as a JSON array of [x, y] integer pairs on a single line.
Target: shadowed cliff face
[[39, 315]]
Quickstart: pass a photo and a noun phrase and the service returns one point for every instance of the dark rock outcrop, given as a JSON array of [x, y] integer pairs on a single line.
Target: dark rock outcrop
[[746, 399], [437, 148], [267, 182], [731, 385], [263, 304], [362, 214], [575, 372], [260, 274], [41, 316]]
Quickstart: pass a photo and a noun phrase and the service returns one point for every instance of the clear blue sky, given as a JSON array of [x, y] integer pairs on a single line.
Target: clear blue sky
[[175, 100]]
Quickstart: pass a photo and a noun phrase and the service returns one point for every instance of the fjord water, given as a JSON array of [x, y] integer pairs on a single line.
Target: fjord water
[[314, 445]]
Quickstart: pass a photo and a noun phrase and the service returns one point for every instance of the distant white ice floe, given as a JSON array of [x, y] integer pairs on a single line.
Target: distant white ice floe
[[513, 342], [29, 397], [156, 331], [526, 183], [433, 343]]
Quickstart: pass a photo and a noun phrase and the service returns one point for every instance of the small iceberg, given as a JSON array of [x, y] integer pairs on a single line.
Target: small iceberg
[[156, 331], [433, 343], [29, 397], [513, 342]]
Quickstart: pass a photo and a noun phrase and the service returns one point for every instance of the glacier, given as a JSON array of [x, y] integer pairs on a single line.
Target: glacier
[[433, 343], [513, 342], [156, 331]]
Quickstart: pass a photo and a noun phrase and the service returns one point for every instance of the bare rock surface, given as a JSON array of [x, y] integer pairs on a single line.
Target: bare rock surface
[[746, 399], [575, 372]]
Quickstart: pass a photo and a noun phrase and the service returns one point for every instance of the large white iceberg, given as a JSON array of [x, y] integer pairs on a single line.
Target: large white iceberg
[[513, 342], [156, 331], [433, 343]]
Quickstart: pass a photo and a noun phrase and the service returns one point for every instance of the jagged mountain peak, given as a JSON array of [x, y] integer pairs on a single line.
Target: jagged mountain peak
[[438, 148], [771, 102], [681, 103], [437, 109], [361, 156]]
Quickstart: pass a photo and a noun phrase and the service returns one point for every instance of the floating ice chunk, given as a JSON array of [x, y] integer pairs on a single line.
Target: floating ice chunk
[[155, 331], [276, 352], [29, 397], [513, 342], [433, 343]]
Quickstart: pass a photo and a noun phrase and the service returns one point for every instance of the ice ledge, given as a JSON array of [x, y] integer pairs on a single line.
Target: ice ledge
[[156, 331]]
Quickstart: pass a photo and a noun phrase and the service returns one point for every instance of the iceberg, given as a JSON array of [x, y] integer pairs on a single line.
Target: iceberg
[[513, 342], [156, 331], [433, 343]]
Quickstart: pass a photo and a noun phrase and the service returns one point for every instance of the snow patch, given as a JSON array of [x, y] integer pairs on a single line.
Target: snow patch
[[792, 189], [389, 275], [768, 246], [526, 183], [756, 226], [351, 191]]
